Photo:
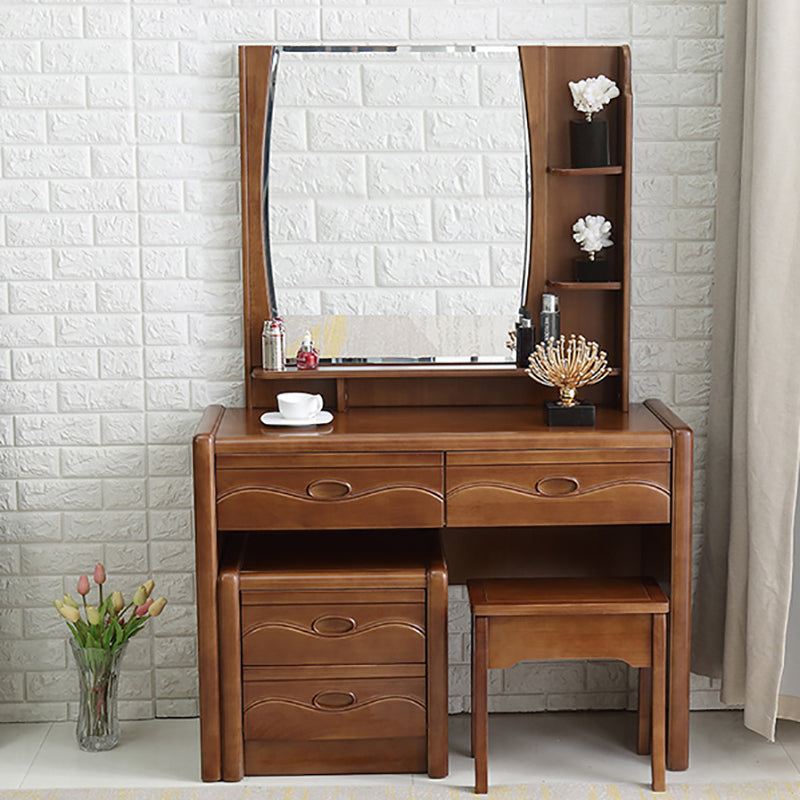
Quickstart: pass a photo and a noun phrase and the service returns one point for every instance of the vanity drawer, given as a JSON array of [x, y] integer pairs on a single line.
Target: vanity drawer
[[358, 633], [331, 496], [334, 708], [557, 493]]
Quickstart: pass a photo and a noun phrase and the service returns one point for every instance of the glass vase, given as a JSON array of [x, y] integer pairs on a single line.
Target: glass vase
[[98, 680]]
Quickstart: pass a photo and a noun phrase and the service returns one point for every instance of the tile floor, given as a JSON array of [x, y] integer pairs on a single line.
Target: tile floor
[[524, 748]]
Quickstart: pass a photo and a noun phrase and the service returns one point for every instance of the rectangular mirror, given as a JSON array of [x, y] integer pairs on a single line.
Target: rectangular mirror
[[397, 200]]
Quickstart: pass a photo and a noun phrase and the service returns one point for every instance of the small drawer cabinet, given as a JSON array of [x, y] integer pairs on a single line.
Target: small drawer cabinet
[[336, 650]]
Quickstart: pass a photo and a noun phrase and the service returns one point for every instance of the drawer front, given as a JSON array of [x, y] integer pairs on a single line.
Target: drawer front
[[558, 494], [333, 634], [359, 708], [330, 497]]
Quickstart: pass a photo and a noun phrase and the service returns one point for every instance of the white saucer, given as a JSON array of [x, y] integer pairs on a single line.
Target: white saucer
[[276, 418]]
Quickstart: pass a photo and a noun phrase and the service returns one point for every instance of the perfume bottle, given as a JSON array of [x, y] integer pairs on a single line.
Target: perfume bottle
[[549, 318], [273, 347], [307, 355], [524, 337]]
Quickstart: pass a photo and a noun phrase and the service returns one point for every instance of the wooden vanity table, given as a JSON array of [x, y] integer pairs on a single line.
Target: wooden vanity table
[[324, 553]]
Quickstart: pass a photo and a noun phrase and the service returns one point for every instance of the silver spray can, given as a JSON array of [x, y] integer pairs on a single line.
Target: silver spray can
[[273, 348]]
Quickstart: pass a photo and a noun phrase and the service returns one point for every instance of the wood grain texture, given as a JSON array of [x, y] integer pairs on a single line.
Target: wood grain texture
[[681, 583], [541, 619], [206, 564]]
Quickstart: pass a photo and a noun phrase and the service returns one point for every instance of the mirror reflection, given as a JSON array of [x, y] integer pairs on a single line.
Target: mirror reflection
[[397, 201]]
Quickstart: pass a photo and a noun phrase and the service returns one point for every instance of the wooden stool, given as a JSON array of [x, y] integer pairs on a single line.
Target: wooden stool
[[564, 618]]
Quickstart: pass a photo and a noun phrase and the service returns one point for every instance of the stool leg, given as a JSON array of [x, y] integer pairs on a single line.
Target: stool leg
[[480, 704], [645, 711], [473, 715], [659, 700]]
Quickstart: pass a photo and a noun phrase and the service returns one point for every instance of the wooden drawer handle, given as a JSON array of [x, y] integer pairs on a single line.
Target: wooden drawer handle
[[333, 626], [332, 701], [558, 486], [328, 489]]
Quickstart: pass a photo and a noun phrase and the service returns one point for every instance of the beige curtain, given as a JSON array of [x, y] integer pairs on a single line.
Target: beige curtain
[[742, 606]]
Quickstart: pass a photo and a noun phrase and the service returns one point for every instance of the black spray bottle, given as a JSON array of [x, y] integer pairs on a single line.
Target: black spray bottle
[[524, 337], [550, 318]]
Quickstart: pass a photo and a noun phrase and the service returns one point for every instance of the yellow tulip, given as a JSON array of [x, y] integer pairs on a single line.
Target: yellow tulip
[[69, 601], [148, 586], [93, 615], [70, 613], [140, 596], [157, 607], [117, 602]]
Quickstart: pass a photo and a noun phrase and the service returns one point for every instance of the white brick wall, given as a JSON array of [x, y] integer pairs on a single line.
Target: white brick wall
[[119, 250]]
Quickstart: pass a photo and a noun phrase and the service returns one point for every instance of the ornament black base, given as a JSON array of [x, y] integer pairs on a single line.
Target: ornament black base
[[592, 271], [588, 143], [580, 415]]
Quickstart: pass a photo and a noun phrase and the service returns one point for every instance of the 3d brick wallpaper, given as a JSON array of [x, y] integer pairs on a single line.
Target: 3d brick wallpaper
[[120, 258]]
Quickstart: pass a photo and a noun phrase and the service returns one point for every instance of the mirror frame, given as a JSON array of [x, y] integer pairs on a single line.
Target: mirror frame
[[558, 195]]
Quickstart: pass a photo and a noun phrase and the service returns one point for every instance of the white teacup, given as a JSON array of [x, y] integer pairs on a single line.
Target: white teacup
[[299, 405]]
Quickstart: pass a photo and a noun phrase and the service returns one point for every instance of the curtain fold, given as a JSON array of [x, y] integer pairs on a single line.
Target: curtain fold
[[745, 576]]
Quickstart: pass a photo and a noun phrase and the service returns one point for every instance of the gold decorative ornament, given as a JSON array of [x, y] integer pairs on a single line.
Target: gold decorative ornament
[[568, 364]]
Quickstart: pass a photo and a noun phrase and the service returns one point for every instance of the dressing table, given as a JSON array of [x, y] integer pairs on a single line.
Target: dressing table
[[324, 553]]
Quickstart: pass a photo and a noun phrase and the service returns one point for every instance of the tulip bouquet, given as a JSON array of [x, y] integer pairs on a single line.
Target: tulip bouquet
[[98, 643], [105, 625]]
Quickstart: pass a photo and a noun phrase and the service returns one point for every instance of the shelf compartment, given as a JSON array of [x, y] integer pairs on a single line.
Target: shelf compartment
[[586, 286]]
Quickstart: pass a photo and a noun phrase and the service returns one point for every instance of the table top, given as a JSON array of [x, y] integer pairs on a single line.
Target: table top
[[440, 428]]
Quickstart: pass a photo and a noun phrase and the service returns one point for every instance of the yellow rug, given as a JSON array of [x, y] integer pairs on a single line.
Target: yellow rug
[[544, 791]]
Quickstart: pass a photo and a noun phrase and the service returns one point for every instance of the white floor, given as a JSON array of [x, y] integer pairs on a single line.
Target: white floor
[[524, 748]]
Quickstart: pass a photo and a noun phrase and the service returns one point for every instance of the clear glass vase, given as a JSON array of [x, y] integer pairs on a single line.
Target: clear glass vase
[[98, 680]]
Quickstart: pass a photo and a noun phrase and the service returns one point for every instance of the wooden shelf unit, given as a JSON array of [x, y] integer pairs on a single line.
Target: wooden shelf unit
[[560, 195]]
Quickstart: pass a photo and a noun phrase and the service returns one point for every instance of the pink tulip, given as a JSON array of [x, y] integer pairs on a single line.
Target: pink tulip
[[99, 573], [83, 585], [143, 609]]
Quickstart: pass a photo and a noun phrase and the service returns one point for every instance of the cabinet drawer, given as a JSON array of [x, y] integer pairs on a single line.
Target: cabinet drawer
[[558, 494], [358, 708], [330, 497], [392, 633]]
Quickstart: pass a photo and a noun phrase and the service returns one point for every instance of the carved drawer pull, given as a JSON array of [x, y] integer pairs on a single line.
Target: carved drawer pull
[[331, 701], [558, 486], [328, 489], [332, 626]]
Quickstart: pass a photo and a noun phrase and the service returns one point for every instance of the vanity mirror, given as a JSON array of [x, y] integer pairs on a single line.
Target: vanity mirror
[[408, 225], [397, 210]]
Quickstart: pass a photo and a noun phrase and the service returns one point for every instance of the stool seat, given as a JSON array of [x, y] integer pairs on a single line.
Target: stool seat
[[556, 618], [512, 597]]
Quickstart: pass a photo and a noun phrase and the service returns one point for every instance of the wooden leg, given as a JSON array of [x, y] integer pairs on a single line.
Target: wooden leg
[[472, 715], [480, 704], [438, 749], [659, 690], [645, 711]]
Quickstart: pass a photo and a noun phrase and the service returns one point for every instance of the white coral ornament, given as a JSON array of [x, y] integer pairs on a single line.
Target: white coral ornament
[[592, 233], [591, 94]]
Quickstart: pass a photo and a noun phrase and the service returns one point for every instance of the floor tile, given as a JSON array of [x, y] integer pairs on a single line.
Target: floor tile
[[19, 744], [722, 749], [787, 734], [163, 752]]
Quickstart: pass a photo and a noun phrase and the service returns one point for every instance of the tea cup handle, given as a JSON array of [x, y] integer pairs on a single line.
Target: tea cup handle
[[317, 403]]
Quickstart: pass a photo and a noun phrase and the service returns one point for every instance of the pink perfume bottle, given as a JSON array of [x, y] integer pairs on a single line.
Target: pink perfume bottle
[[307, 355]]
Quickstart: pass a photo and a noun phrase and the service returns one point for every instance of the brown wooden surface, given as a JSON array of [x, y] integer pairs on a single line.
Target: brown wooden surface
[[681, 586], [230, 669], [567, 494], [438, 744], [206, 565], [335, 757], [334, 634], [541, 619], [343, 708]]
